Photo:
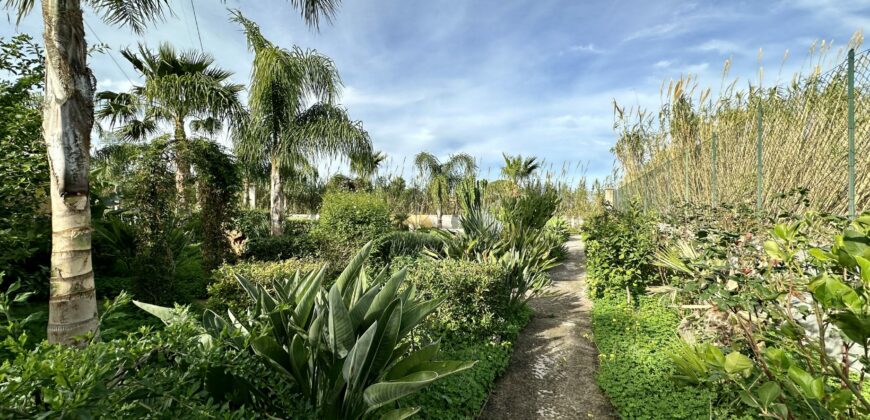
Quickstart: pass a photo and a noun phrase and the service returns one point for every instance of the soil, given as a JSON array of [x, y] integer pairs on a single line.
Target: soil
[[552, 371]]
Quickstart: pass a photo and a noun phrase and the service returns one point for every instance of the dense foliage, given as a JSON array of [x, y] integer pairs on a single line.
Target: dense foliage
[[474, 294], [619, 251], [24, 210], [349, 220], [635, 370], [226, 292]]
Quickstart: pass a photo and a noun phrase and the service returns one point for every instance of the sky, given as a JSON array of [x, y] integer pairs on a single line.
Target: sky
[[531, 77]]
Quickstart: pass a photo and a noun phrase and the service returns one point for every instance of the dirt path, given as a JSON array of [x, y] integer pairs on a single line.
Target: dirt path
[[552, 371]]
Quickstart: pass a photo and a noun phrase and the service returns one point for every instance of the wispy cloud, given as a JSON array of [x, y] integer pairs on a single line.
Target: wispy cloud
[[584, 48], [656, 31], [720, 46]]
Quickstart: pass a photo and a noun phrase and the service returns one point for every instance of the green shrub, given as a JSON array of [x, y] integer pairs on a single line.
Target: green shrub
[[476, 297], [619, 252], [152, 372], [225, 292], [635, 369], [402, 244], [252, 224], [295, 227], [349, 220], [276, 248]]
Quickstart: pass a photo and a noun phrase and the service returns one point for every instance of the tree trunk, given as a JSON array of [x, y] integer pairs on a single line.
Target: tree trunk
[[276, 200], [68, 116], [182, 163], [440, 214], [252, 196]]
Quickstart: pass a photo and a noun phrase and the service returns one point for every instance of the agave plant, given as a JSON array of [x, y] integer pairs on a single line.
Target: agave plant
[[347, 348]]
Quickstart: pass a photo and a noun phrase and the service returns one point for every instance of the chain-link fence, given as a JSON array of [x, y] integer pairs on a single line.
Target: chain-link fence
[[757, 146]]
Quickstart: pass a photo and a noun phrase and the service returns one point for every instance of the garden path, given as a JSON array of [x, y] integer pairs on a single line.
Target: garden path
[[552, 371]]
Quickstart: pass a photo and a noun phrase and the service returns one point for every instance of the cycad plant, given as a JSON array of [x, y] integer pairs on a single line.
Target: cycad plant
[[346, 348]]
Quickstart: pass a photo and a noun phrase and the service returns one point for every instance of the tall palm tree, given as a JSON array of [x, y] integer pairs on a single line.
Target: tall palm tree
[[442, 178], [518, 169], [280, 128], [68, 119], [180, 88]]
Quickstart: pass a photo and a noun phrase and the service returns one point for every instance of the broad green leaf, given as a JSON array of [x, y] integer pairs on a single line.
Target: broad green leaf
[[738, 363], [833, 293], [386, 338], [855, 327], [298, 361], [400, 413], [864, 266], [274, 354], [768, 393], [404, 366], [341, 333], [857, 244], [812, 388], [167, 315], [353, 369], [777, 358], [305, 301], [351, 272], [443, 367], [774, 250], [415, 314], [713, 355], [383, 393], [213, 323], [822, 255], [386, 295], [361, 307]]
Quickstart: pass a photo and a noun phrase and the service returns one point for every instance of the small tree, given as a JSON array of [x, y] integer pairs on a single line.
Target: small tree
[[442, 178]]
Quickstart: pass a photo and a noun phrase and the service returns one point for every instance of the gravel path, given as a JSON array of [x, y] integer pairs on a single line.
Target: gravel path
[[552, 370]]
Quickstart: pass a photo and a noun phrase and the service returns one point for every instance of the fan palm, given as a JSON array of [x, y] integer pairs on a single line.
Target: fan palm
[[280, 128], [442, 178], [367, 165], [67, 123], [180, 87], [519, 169]]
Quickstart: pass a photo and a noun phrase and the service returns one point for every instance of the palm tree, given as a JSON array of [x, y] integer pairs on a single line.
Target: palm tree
[[519, 169], [68, 119], [180, 88], [280, 129], [366, 166], [442, 178]]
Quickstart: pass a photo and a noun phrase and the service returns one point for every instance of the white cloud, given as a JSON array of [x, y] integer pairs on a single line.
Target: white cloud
[[655, 31], [720, 46], [663, 64], [585, 48]]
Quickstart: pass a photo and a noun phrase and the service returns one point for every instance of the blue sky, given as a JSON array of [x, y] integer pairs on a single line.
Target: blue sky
[[535, 77]]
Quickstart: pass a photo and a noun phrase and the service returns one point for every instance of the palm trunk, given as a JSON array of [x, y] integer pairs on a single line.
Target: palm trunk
[[276, 200], [440, 213], [252, 196], [67, 121], [182, 163]]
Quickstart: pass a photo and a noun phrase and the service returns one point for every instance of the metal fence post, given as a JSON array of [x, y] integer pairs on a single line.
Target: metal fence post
[[758, 165], [851, 98], [713, 186]]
